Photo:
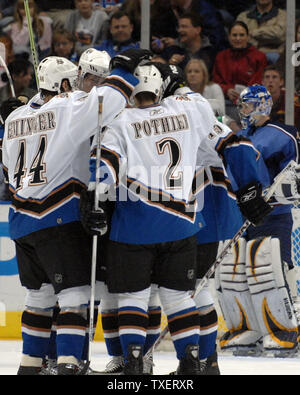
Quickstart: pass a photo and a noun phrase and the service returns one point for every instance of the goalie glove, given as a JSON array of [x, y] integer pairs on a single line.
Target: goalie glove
[[252, 204], [130, 59], [288, 191], [173, 78], [93, 221]]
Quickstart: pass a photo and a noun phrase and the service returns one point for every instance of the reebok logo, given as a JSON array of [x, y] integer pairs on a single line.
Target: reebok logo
[[249, 196]]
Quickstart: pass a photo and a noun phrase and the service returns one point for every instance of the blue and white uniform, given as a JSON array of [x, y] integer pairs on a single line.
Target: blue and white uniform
[[45, 192], [278, 145], [154, 156]]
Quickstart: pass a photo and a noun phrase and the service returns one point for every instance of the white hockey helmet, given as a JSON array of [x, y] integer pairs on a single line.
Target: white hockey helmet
[[150, 80], [53, 70], [94, 62]]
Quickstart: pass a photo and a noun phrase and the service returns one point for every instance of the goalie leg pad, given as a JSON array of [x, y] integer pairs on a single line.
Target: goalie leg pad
[[270, 296], [235, 300]]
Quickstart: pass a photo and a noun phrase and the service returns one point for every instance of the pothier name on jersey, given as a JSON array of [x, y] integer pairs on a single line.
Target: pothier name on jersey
[[21, 127], [156, 126]]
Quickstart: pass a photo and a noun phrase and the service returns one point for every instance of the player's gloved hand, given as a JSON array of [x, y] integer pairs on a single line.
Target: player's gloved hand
[[93, 221], [130, 59], [9, 106], [252, 204], [173, 78]]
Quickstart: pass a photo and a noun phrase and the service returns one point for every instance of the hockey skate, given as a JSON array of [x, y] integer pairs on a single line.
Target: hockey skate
[[148, 364], [67, 369], [134, 363], [49, 367], [209, 366], [242, 343], [30, 371], [114, 366], [190, 363]]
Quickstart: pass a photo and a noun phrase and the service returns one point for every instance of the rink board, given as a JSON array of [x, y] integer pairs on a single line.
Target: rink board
[[12, 294]]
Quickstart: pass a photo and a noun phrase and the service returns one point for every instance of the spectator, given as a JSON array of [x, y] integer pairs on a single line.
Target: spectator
[[163, 21], [121, 29], [192, 43], [64, 45], [6, 12], [9, 55], [237, 67], [21, 74], [231, 7], [198, 80], [213, 27], [273, 80], [57, 10], [88, 25], [110, 6], [267, 28], [19, 31]]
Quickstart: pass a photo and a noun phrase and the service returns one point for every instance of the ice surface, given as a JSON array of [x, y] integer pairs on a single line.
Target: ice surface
[[165, 362]]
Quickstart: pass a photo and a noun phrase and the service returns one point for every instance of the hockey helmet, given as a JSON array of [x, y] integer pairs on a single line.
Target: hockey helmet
[[254, 102], [53, 70], [150, 80], [94, 62]]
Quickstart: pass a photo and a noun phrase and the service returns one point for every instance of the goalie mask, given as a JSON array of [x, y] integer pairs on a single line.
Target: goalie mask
[[53, 70], [254, 102], [150, 80], [94, 63]]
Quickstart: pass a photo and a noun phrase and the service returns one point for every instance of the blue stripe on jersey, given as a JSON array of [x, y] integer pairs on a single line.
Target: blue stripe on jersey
[[22, 224], [139, 223], [1, 131]]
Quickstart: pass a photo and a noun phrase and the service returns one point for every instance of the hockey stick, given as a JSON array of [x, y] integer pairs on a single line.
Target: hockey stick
[[31, 41], [268, 194], [95, 238]]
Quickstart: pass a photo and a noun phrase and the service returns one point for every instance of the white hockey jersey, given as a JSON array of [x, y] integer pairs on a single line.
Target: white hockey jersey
[[46, 153], [155, 155]]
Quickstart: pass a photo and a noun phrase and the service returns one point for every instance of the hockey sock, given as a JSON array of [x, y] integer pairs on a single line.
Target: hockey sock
[[133, 323], [182, 317], [71, 328], [208, 321], [133, 318], [51, 354], [36, 330], [110, 325], [153, 330]]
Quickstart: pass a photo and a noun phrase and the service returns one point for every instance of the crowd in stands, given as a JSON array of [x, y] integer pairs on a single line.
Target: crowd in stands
[[223, 46]]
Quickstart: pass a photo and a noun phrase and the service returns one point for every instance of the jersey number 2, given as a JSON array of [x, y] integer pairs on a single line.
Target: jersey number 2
[[37, 168], [171, 181]]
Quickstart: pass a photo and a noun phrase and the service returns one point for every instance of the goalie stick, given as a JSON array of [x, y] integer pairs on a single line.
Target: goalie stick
[[268, 193]]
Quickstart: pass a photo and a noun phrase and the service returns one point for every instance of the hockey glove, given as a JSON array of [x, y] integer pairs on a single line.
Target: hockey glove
[[252, 204], [130, 59], [93, 221], [173, 78], [8, 106]]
